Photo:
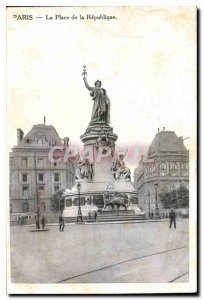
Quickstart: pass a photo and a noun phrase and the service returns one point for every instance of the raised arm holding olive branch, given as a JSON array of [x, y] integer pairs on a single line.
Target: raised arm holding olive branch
[[101, 107]]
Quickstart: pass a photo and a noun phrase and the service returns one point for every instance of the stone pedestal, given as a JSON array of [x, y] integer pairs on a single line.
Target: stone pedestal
[[95, 131], [100, 139]]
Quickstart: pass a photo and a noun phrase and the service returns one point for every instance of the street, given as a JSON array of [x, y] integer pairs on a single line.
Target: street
[[101, 253]]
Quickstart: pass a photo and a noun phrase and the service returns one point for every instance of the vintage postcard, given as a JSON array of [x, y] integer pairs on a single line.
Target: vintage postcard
[[102, 146]]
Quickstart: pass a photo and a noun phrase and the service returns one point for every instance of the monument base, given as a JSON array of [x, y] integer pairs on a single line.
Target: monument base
[[92, 200], [120, 215]]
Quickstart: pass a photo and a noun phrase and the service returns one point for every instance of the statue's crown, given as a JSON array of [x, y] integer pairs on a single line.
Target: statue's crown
[[98, 81]]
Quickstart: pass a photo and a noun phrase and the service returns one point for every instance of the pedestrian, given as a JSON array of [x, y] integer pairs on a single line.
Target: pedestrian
[[43, 221], [95, 216], [61, 222], [37, 223], [172, 217]]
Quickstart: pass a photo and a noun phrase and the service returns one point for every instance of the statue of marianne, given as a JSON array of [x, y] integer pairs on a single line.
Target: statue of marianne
[[101, 107]]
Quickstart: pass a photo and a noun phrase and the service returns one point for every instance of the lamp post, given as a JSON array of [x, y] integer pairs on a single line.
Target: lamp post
[[156, 216], [79, 216], [37, 195], [149, 212]]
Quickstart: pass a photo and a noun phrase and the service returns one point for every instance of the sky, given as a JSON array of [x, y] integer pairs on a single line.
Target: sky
[[145, 58]]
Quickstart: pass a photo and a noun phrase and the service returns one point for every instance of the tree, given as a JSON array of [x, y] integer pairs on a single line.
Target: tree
[[57, 201], [182, 197], [178, 198]]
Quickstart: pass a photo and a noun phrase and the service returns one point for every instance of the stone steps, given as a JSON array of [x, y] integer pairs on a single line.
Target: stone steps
[[110, 216], [121, 215], [116, 213], [74, 219], [120, 219]]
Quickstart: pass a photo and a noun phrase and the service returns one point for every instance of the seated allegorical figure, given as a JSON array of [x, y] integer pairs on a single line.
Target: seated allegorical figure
[[119, 169], [84, 170]]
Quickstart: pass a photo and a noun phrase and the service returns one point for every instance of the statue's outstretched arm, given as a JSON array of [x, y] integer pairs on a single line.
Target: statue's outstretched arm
[[87, 85]]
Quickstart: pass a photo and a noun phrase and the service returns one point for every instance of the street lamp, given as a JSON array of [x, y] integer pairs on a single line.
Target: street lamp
[[175, 190], [157, 216], [79, 217], [149, 212], [37, 194]]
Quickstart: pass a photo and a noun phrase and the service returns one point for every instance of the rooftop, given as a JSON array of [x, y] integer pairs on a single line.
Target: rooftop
[[40, 135], [166, 141]]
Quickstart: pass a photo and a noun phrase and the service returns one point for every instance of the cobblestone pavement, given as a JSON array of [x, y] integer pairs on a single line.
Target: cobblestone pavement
[[128, 252]]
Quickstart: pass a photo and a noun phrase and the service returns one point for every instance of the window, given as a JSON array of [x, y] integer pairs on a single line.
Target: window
[[163, 169], [10, 208], [56, 188], [185, 174], [68, 202], [24, 178], [173, 169], [40, 161], [41, 177], [184, 166], [82, 201], [24, 162], [56, 177], [11, 160], [43, 206], [162, 173], [134, 200], [163, 166], [28, 141], [10, 177], [55, 164], [88, 201], [25, 191], [25, 207], [41, 190], [148, 170], [173, 166]]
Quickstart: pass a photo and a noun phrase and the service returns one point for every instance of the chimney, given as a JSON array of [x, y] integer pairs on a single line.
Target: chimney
[[66, 141], [44, 120], [180, 138], [20, 135], [163, 128]]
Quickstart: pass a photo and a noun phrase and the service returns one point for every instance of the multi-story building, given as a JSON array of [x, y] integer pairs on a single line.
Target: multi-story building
[[165, 167], [32, 171]]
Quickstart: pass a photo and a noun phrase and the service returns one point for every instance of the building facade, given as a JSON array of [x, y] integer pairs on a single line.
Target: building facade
[[32, 171], [165, 167]]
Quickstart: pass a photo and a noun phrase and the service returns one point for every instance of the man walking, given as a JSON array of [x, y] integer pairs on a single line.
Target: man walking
[[61, 222], [43, 221], [95, 216], [172, 217]]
